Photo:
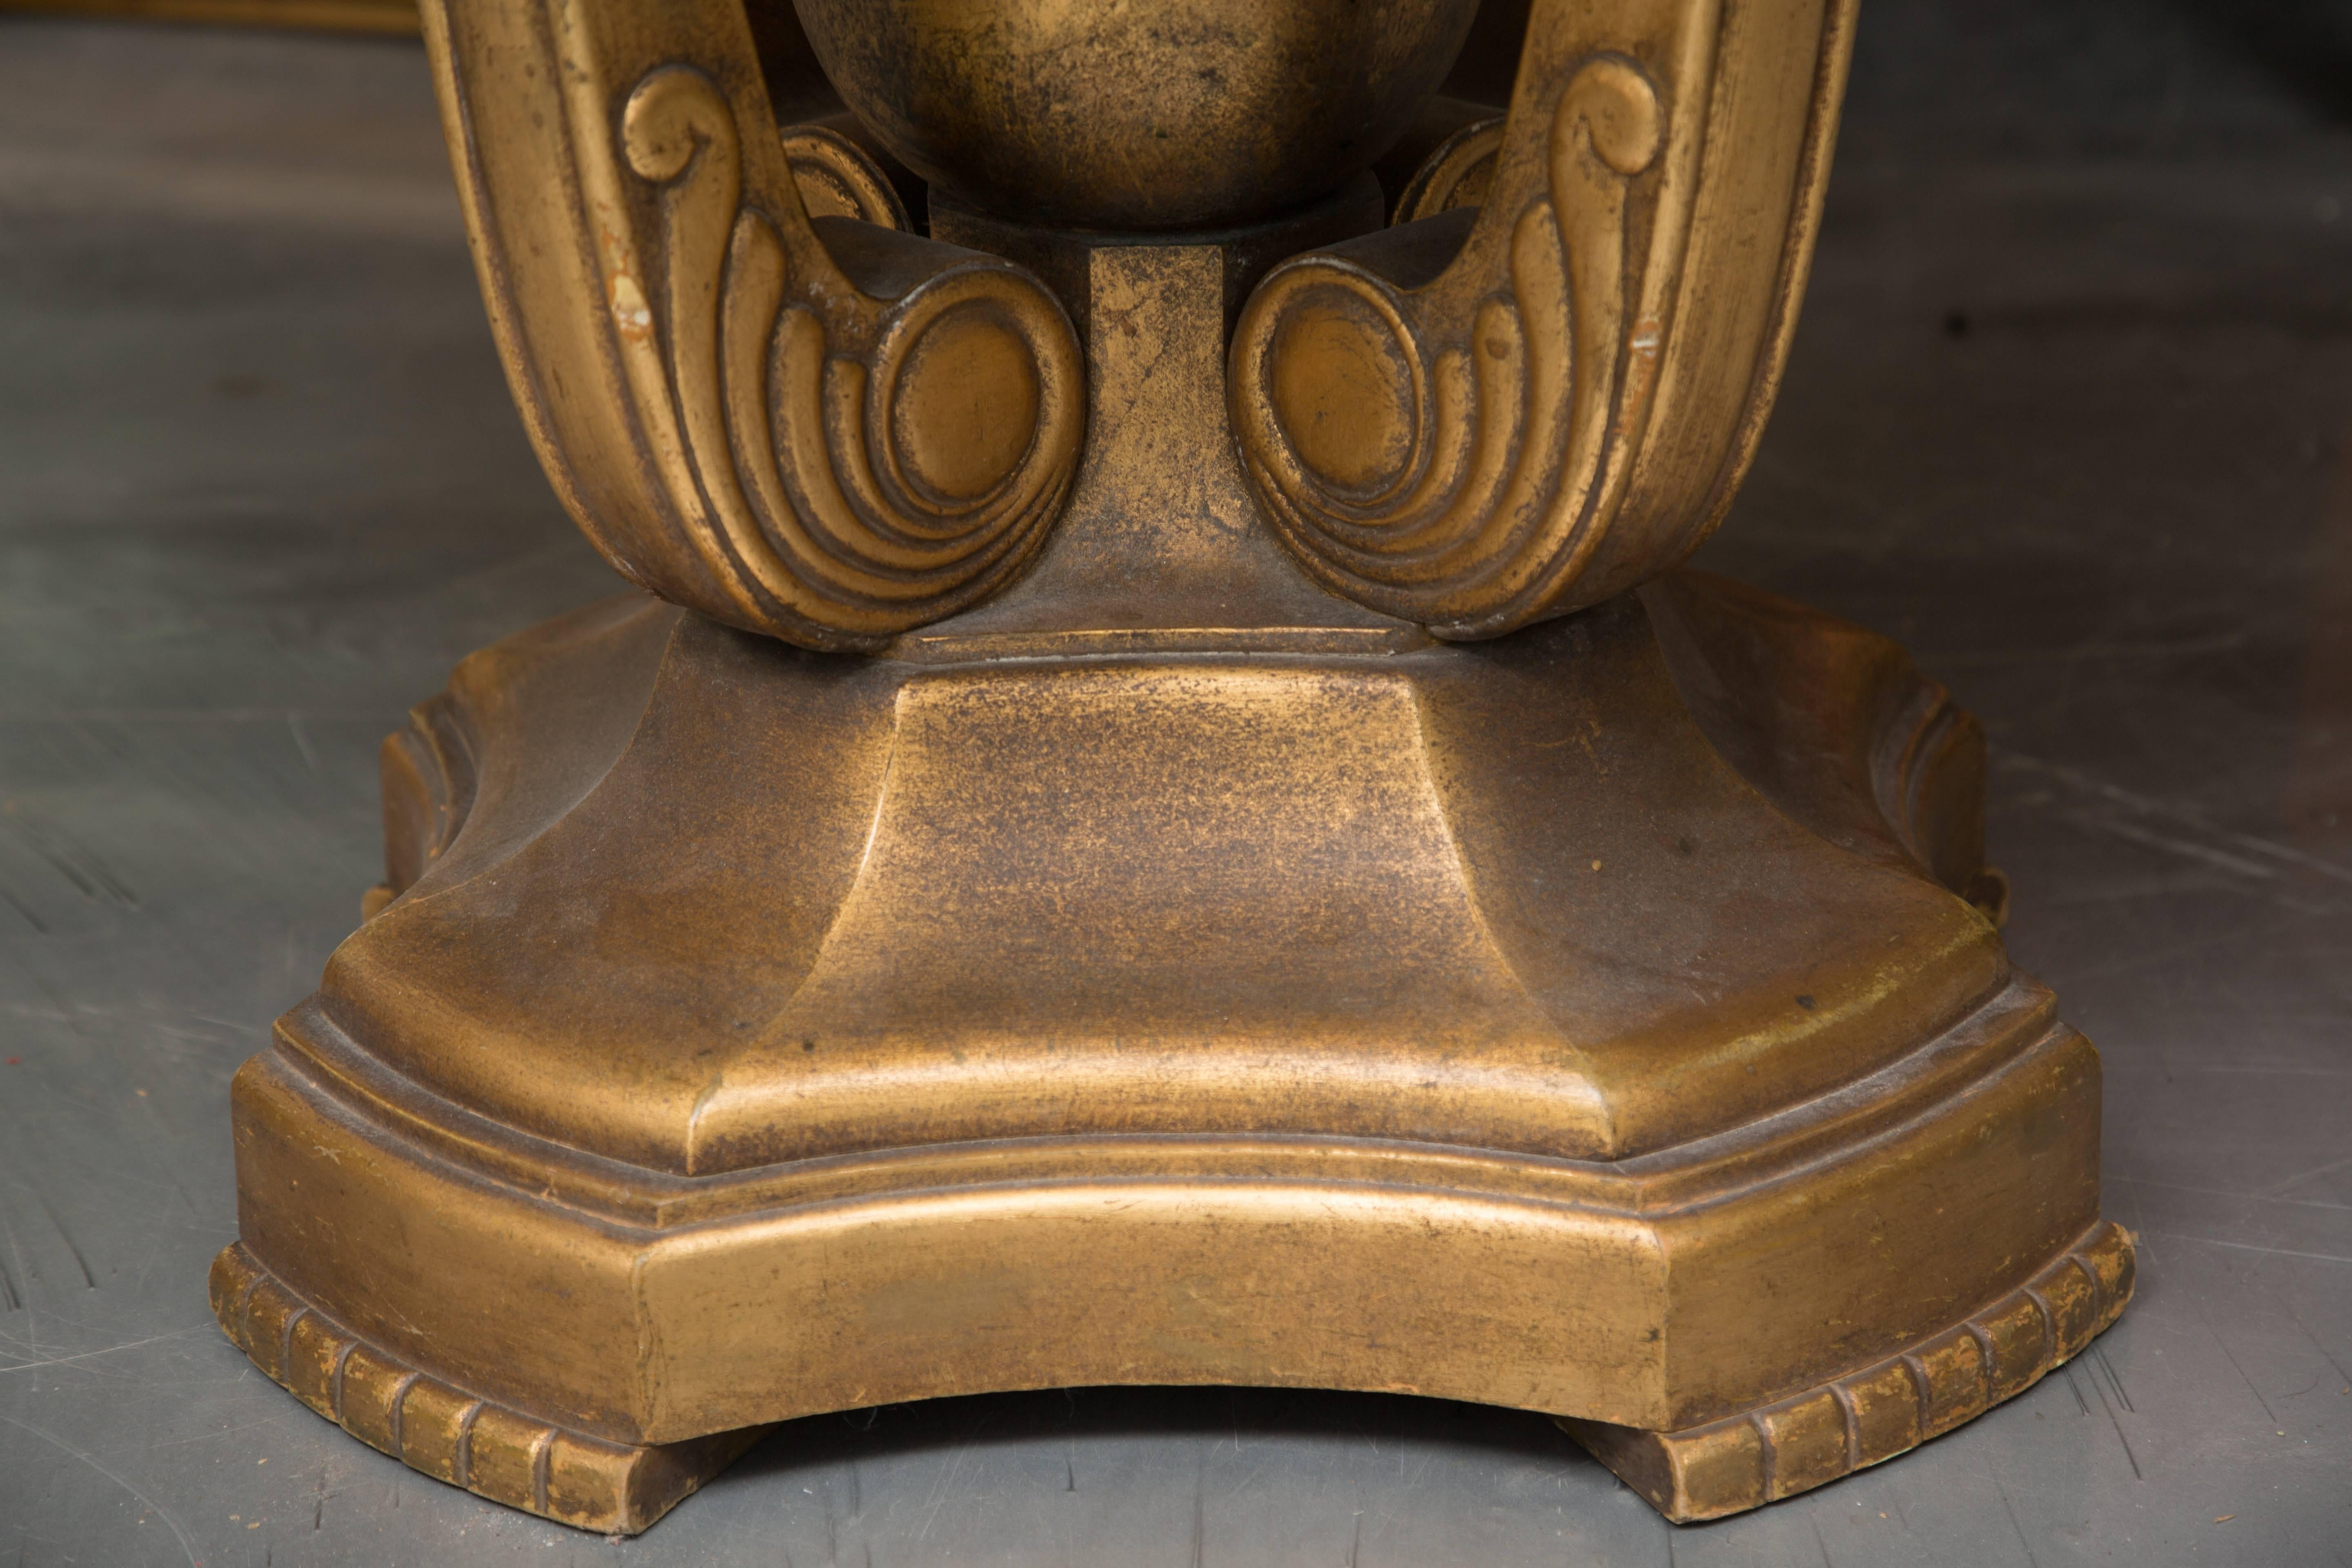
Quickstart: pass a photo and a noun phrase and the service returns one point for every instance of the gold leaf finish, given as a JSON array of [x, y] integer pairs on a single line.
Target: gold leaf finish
[[685, 322], [837, 177], [1870, 1416], [1120, 944], [446, 1432], [1462, 421], [1110, 114], [1458, 173]]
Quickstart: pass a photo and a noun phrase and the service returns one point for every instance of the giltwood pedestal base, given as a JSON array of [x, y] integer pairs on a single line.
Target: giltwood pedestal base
[[1267, 882], [1584, 1022]]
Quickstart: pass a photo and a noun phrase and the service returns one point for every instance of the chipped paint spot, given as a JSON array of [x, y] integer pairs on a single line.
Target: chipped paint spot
[[630, 311]]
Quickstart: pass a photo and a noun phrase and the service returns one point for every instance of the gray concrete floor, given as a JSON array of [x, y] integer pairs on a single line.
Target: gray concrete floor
[[2070, 413]]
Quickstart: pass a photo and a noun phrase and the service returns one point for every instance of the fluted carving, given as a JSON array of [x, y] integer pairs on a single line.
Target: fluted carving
[[820, 429], [1482, 417]]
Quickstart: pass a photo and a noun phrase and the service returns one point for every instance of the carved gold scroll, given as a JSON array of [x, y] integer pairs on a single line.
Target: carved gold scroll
[[1482, 417], [821, 429]]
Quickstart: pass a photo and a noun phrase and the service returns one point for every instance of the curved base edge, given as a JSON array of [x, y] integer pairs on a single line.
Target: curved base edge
[[1885, 1410], [448, 1432]]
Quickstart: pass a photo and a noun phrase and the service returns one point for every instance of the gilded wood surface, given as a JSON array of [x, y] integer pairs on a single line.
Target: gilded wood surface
[[1759, 1456], [873, 1196], [829, 434], [1870, 1416], [1161, 118], [1164, 963], [1478, 422], [1346, 893], [1485, 416], [446, 1432]]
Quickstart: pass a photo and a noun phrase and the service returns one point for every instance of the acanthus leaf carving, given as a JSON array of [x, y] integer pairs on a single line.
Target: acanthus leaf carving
[[1448, 421], [818, 428]]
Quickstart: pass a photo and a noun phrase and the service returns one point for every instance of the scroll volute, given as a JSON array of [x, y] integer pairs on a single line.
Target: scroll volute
[[819, 428], [1499, 412]]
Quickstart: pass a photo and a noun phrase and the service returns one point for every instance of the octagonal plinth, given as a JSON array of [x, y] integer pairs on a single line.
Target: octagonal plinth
[[1583, 1023]]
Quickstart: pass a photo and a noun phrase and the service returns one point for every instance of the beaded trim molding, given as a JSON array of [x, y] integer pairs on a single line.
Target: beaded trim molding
[[1795, 1444], [449, 1433]]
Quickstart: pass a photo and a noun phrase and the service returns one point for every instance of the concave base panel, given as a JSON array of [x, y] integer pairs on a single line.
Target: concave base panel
[[1595, 1022]]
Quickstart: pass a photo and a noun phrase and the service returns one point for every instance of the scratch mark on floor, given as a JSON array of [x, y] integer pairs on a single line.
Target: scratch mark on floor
[[109, 1349], [2230, 1356], [2186, 847], [88, 1279], [2148, 806], [2325, 1354], [2306, 1388], [105, 1041], [2251, 1246], [2012, 1511], [75, 861], [24, 911], [17, 1296], [162, 1512], [2304, 1176], [303, 741], [276, 1422], [2116, 1422], [947, 1479], [2262, 1197], [2099, 1354]]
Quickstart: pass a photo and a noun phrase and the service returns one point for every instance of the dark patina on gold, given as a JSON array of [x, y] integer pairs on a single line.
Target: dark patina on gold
[[1171, 815]]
